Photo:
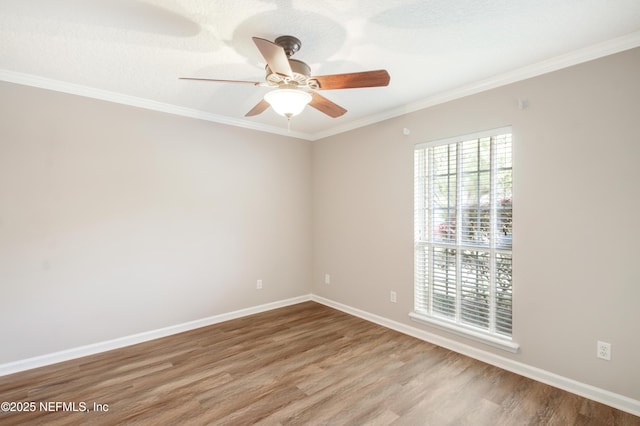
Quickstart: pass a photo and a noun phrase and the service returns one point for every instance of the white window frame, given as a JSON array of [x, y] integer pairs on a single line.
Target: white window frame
[[423, 308]]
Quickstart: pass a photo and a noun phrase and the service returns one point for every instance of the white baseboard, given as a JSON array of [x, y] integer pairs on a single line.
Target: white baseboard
[[69, 354], [603, 396], [612, 399]]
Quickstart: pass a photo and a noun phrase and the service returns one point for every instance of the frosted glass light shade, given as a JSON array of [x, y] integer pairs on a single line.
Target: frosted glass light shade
[[288, 102]]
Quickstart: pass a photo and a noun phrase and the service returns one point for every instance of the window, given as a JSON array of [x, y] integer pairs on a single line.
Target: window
[[463, 229]]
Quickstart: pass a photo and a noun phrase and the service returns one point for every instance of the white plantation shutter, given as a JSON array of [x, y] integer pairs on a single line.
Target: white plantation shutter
[[463, 223]]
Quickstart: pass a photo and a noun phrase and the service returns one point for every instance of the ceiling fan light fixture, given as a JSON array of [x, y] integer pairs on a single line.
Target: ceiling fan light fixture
[[288, 102]]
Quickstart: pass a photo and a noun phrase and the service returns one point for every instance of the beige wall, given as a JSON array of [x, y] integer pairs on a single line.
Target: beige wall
[[116, 220], [576, 208]]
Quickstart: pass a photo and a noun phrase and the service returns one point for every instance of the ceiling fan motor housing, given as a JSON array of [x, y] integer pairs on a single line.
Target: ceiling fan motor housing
[[301, 73]]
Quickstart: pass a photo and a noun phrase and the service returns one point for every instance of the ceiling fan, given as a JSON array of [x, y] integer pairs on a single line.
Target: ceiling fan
[[295, 85]]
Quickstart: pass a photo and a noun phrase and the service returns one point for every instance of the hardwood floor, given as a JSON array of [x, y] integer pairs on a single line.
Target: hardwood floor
[[305, 364]]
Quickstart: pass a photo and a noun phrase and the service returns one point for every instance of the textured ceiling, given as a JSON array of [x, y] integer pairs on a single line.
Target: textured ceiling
[[133, 51]]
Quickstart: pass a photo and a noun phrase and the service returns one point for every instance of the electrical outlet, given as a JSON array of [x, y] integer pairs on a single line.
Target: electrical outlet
[[259, 285], [393, 297], [327, 279], [604, 350]]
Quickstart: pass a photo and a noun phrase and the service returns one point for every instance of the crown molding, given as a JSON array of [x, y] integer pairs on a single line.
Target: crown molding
[[576, 57], [119, 98], [556, 63]]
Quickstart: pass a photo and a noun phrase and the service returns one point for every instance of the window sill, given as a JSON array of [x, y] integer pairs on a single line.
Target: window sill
[[469, 333]]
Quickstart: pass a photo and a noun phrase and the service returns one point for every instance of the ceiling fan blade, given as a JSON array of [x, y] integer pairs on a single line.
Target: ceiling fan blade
[[275, 56], [258, 109], [326, 106], [353, 80], [255, 83]]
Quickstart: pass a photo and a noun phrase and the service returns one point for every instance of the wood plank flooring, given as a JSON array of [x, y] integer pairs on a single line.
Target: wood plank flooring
[[305, 364]]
